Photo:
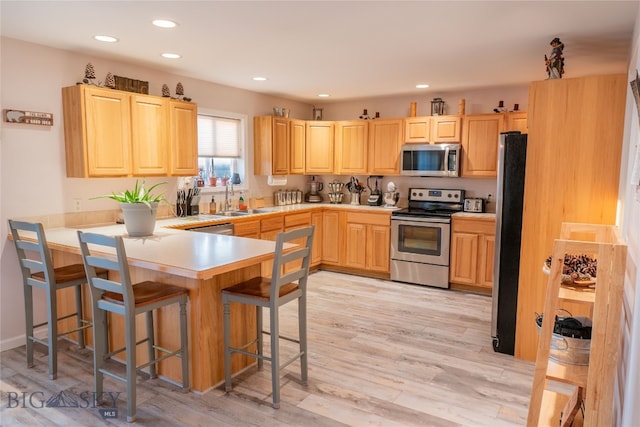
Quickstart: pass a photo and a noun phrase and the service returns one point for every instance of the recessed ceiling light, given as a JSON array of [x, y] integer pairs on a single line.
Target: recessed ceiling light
[[323, 95], [163, 23], [259, 79], [171, 55], [422, 86], [108, 39]]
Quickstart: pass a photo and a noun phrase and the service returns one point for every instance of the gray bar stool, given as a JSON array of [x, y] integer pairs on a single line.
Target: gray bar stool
[[289, 266], [38, 271], [124, 298]]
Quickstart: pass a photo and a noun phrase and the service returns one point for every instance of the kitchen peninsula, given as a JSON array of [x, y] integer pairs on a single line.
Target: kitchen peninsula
[[202, 263]]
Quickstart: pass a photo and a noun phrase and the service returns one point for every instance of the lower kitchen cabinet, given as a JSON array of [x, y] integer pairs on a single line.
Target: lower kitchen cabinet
[[269, 229], [367, 237], [472, 250], [316, 253], [247, 229], [331, 238]]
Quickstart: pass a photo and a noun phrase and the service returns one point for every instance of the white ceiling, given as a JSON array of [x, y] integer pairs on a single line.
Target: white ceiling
[[349, 49]]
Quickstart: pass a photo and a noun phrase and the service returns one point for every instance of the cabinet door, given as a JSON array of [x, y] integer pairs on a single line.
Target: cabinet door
[[445, 128], [480, 137], [149, 135], [247, 229], [417, 129], [355, 251], [280, 146], [517, 121], [297, 132], [464, 258], [267, 266], [330, 238], [385, 141], [351, 146], [319, 147], [183, 121], [485, 261], [378, 240], [316, 253], [108, 132]]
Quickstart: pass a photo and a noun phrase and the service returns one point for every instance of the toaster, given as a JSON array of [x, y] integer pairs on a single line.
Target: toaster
[[474, 205]]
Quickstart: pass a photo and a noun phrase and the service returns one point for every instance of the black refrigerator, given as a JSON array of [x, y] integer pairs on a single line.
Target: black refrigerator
[[512, 154]]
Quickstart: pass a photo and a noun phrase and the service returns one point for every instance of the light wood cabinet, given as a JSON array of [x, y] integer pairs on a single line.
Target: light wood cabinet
[[271, 142], [150, 142], [247, 229], [351, 144], [472, 251], [331, 238], [417, 129], [446, 128], [480, 136], [112, 133], [570, 176], [367, 239], [97, 131], [319, 147], [316, 253], [517, 121], [183, 123], [269, 229], [385, 141], [297, 133]]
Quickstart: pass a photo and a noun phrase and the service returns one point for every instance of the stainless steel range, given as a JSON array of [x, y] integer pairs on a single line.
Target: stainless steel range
[[421, 235]]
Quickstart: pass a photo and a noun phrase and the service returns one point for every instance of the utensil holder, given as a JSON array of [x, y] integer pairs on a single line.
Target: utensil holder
[[355, 199]]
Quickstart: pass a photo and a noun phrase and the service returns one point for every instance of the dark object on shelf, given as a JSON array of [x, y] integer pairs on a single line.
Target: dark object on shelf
[[110, 81], [365, 115], [437, 107], [555, 62], [131, 85]]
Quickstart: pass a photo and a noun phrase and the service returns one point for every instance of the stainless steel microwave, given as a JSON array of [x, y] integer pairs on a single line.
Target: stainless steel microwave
[[430, 160]]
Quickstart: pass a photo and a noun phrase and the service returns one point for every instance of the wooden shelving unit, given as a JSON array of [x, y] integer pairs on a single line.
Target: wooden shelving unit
[[591, 386]]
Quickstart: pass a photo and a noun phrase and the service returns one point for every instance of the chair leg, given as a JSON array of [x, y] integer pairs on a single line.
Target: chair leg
[[184, 344], [302, 336], [274, 329], [259, 337], [52, 338], [227, 343], [130, 332], [28, 311], [151, 344], [100, 348], [79, 317]]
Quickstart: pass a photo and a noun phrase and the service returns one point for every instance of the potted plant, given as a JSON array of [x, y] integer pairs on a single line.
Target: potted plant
[[139, 207]]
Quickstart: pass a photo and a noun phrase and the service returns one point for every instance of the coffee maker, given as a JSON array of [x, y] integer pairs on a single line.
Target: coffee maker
[[315, 187], [375, 194]]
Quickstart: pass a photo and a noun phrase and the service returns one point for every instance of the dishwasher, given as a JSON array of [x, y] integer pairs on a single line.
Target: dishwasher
[[226, 228]]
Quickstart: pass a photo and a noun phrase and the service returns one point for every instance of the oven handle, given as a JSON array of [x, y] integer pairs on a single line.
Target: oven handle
[[432, 219]]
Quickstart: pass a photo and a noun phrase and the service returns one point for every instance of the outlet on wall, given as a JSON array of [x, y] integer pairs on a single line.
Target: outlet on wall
[[77, 204]]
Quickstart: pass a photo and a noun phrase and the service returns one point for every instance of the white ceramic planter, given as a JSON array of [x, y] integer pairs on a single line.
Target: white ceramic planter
[[139, 220]]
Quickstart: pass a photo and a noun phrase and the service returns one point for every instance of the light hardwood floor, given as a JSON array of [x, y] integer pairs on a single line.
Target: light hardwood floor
[[380, 353]]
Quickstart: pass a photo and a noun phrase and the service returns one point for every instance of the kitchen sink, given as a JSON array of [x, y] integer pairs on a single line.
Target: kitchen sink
[[233, 213]]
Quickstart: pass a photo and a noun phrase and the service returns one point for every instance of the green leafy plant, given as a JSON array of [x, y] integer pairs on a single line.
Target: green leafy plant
[[139, 194]]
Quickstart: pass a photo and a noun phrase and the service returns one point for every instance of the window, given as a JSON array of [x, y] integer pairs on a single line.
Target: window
[[221, 146]]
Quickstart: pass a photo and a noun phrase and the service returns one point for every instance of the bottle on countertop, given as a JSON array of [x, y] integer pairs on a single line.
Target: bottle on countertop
[[212, 206], [241, 203]]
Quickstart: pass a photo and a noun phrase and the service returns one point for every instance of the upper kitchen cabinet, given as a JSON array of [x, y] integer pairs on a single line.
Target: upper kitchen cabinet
[[183, 125], [319, 147], [385, 141], [480, 135], [97, 131], [445, 128], [417, 129], [517, 121], [297, 134], [111, 133], [271, 141], [351, 146]]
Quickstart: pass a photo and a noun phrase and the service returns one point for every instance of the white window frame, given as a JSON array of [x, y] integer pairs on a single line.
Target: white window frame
[[242, 161]]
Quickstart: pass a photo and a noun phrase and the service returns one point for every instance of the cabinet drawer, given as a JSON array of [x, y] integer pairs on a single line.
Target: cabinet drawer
[[368, 218], [477, 226], [270, 224], [247, 228], [297, 220]]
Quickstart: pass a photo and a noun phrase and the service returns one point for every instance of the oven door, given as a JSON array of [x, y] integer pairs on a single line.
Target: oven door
[[421, 239]]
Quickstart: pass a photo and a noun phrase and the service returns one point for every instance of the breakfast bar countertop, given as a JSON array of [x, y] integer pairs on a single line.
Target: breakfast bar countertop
[[178, 252]]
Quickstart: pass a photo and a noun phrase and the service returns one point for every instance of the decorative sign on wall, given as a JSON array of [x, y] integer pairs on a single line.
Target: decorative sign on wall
[[131, 85], [28, 117]]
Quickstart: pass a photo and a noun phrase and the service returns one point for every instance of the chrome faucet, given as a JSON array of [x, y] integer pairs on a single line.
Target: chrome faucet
[[228, 201]]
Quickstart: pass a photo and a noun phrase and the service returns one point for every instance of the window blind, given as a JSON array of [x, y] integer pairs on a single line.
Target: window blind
[[218, 137]]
